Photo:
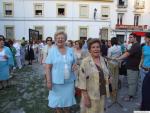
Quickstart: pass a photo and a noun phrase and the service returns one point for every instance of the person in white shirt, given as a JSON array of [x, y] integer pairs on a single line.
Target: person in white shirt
[[36, 50], [17, 55], [45, 49], [44, 52], [41, 46], [6, 60], [114, 52]]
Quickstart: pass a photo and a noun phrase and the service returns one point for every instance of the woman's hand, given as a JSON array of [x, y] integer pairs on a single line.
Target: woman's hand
[[48, 69], [49, 85], [86, 100], [74, 67]]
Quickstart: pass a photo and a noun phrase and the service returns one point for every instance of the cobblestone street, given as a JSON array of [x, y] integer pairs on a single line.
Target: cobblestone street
[[28, 94]]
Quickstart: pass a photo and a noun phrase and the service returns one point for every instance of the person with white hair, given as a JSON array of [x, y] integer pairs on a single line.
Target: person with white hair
[[18, 54], [60, 67]]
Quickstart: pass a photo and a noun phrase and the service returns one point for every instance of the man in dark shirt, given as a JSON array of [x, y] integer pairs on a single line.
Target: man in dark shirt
[[104, 48], [133, 60]]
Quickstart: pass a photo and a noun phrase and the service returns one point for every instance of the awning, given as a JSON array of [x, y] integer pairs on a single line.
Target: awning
[[142, 34]]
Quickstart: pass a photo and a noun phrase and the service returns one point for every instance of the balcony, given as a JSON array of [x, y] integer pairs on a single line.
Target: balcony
[[142, 6], [139, 4], [121, 8], [132, 27], [122, 5], [139, 8]]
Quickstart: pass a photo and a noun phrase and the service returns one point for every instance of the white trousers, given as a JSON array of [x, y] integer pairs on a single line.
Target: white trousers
[[18, 62]]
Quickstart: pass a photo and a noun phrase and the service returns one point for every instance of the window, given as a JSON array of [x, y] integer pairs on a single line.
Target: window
[[136, 19], [83, 33], [139, 4], [61, 28], [122, 3], [8, 9], [9, 31], [38, 9], [61, 10], [84, 11], [120, 18], [40, 29], [105, 12]]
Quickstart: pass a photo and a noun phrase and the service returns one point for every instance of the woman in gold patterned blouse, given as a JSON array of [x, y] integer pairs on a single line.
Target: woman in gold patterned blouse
[[93, 80]]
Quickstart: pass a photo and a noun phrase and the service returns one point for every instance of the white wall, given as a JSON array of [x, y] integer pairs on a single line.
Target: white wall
[[72, 28], [24, 17]]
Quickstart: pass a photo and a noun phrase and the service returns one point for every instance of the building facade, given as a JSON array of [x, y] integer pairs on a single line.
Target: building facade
[[80, 19]]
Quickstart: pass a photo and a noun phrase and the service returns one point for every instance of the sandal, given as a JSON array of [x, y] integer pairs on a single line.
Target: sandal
[[128, 98]]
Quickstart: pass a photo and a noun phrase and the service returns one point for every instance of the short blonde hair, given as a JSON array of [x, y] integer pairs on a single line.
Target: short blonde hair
[[60, 33]]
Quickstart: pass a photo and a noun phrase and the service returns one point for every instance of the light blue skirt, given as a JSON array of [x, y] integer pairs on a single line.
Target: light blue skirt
[[62, 95], [4, 70]]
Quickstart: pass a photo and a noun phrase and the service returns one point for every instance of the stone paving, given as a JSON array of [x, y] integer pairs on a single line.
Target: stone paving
[[28, 94]]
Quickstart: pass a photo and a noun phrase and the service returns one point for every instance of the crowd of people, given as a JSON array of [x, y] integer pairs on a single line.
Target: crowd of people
[[14, 54], [89, 68]]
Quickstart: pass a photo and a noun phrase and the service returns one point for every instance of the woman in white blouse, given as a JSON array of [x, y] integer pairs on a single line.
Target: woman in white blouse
[[6, 60], [45, 49], [114, 52]]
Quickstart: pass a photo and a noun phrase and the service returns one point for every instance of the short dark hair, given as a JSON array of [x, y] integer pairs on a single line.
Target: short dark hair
[[135, 36], [131, 34], [80, 43], [114, 41], [71, 42], [92, 41], [48, 38], [103, 42], [2, 37], [147, 34], [30, 42], [10, 42]]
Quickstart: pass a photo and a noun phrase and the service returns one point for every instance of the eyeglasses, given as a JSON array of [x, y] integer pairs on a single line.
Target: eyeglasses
[[49, 40], [60, 38]]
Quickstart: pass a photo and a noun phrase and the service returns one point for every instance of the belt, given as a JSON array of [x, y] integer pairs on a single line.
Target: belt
[[146, 68]]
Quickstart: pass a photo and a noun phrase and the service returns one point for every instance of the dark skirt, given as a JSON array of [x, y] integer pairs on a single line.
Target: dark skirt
[[29, 55], [145, 106]]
